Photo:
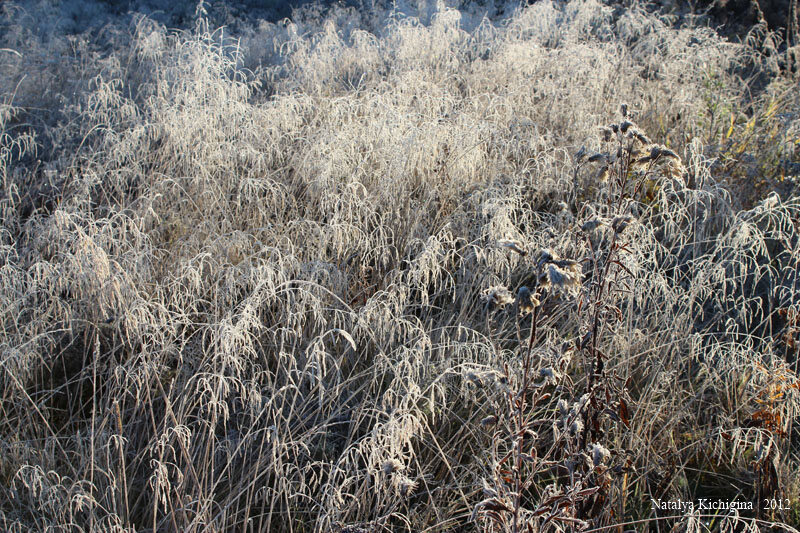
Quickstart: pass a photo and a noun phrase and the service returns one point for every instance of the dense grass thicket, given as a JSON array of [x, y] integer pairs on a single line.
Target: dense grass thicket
[[416, 267]]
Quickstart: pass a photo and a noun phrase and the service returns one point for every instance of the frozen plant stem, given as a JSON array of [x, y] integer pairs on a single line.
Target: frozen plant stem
[[521, 420]]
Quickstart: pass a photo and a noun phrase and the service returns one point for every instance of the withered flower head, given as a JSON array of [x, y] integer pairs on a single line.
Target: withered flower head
[[592, 224], [546, 255], [639, 136], [563, 276], [405, 485], [490, 420], [391, 466], [666, 152], [514, 246], [526, 301], [563, 408], [655, 151], [498, 296], [621, 222], [599, 454]]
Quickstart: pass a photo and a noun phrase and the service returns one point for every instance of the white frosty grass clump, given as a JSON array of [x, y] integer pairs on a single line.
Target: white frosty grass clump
[[241, 271]]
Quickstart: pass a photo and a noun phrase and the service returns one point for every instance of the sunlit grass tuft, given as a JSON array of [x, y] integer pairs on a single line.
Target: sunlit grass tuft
[[279, 279]]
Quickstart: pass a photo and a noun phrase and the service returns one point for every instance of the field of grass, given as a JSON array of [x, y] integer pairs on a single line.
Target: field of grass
[[413, 266]]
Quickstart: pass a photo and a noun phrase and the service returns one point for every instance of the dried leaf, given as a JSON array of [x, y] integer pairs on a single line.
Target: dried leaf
[[624, 414]]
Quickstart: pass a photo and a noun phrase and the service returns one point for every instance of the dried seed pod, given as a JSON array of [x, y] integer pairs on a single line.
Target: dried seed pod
[[621, 222], [498, 296], [603, 175], [639, 136], [666, 152], [546, 255], [655, 151], [391, 466], [592, 224], [526, 301], [599, 454], [563, 276], [514, 246], [490, 420], [405, 485]]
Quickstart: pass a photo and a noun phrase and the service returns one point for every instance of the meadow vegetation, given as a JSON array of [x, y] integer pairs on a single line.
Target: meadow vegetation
[[409, 267]]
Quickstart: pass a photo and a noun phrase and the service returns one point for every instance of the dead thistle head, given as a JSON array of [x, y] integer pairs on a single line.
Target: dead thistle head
[[497, 296], [561, 276], [600, 454], [514, 246], [391, 466], [621, 222], [526, 301]]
